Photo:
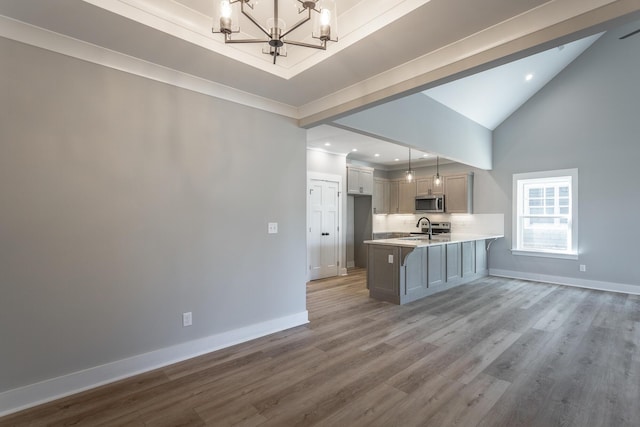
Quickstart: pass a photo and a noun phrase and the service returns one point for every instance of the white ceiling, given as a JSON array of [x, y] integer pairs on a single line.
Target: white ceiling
[[488, 98], [386, 48]]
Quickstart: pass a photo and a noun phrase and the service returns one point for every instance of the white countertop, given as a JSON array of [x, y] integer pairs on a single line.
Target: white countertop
[[422, 241]]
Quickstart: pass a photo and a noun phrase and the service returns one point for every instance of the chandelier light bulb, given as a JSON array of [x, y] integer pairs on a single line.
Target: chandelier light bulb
[[325, 17], [225, 9], [225, 17]]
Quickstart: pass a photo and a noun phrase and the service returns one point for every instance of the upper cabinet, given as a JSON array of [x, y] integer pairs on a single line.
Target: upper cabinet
[[402, 197], [398, 196], [458, 193], [426, 187], [381, 196], [359, 180]]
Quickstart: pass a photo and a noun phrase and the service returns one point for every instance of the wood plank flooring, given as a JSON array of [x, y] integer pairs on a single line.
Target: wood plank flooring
[[495, 352]]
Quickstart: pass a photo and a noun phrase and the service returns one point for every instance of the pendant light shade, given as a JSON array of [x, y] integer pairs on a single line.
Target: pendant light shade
[[437, 179], [410, 174]]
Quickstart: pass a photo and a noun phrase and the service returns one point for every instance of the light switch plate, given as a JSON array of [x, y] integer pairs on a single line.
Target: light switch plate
[[390, 259], [187, 319], [272, 228]]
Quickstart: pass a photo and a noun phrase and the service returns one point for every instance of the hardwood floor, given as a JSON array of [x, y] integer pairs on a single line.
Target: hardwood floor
[[496, 352]]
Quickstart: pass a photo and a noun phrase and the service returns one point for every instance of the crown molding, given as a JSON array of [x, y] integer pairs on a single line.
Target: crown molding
[[64, 45], [523, 35]]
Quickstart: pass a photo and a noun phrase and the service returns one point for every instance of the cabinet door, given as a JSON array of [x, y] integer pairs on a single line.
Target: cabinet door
[[458, 194], [481, 256], [406, 197], [454, 265], [414, 272], [394, 195], [383, 270], [423, 186], [468, 258], [438, 189], [353, 180], [435, 266], [366, 182], [381, 196]]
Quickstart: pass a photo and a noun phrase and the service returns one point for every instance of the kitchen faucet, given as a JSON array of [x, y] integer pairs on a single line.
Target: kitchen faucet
[[429, 222]]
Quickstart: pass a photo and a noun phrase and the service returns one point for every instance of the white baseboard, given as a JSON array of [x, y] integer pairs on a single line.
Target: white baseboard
[[35, 394], [351, 264], [568, 281], [343, 272]]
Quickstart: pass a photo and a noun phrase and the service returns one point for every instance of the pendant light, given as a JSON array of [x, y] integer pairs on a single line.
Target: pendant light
[[409, 174], [437, 180]]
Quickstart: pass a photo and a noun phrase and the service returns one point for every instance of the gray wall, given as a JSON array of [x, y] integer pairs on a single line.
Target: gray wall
[[125, 202], [420, 122], [587, 117]]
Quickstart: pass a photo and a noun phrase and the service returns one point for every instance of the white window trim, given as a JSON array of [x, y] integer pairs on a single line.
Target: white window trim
[[571, 254]]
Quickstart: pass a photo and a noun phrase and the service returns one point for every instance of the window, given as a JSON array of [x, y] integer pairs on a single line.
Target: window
[[545, 215]]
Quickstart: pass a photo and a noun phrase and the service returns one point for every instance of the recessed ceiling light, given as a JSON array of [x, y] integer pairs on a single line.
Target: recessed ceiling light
[[528, 77], [396, 160], [425, 155], [354, 150], [327, 144], [377, 155]]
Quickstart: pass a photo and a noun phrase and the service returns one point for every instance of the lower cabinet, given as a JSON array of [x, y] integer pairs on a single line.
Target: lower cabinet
[[468, 258], [383, 270], [454, 266], [435, 266], [400, 275]]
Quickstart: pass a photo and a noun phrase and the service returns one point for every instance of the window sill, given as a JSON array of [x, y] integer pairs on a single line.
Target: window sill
[[559, 255]]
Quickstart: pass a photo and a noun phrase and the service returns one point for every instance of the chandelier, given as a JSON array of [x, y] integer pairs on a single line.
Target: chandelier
[[321, 13]]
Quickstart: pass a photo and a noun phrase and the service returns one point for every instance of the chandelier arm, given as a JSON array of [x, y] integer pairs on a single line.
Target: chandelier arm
[[323, 46], [253, 20], [246, 41], [298, 24]]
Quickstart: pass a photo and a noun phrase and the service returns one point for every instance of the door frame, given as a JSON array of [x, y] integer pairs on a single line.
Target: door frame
[[342, 270]]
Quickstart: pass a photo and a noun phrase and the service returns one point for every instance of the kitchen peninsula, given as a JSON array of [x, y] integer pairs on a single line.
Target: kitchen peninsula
[[401, 270]]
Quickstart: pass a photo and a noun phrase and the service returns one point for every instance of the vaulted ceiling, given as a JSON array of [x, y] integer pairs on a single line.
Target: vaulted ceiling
[[386, 48]]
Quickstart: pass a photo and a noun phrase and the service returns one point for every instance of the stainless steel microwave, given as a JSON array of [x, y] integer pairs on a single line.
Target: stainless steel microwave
[[430, 203]]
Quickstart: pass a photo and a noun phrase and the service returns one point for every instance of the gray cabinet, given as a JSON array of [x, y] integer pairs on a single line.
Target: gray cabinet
[[435, 266], [481, 257], [401, 274], [359, 180], [458, 191], [426, 187], [414, 273], [454, 264], [383, 269], [406, 197], [402, 197], [469, 258], [380, 196]]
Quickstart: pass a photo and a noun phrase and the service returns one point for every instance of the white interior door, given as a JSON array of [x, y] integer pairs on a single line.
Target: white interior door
[[324, 228]]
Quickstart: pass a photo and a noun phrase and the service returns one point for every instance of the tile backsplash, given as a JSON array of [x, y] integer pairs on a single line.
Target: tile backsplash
[[460, 223]]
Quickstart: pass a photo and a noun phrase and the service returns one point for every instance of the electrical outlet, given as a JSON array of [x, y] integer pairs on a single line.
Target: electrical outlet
[[272, 228], [583, 267], [187, 319]]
